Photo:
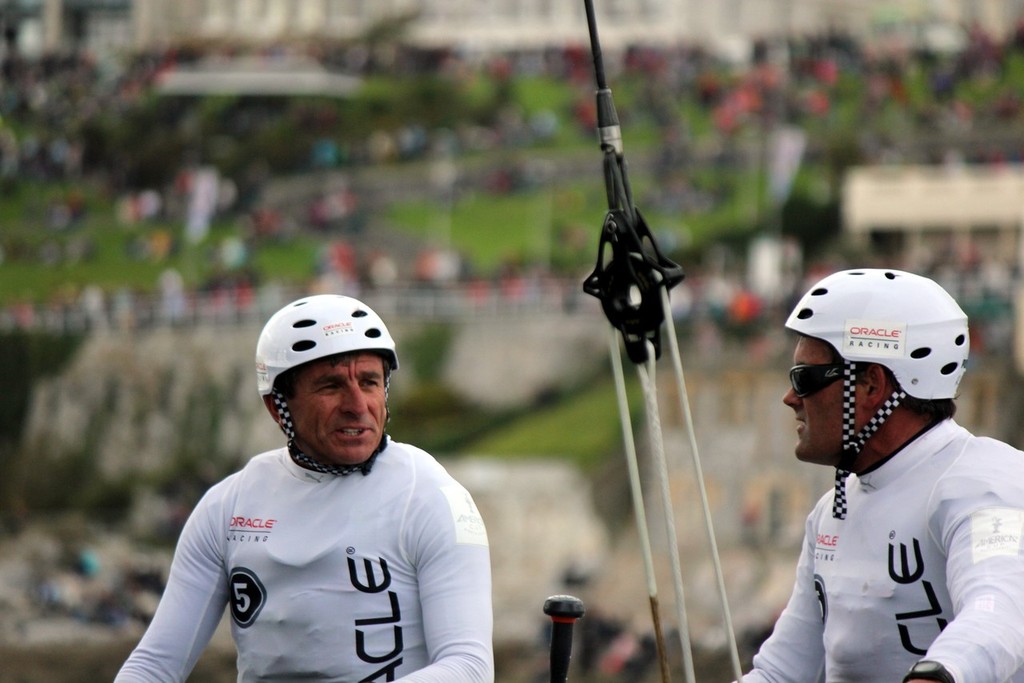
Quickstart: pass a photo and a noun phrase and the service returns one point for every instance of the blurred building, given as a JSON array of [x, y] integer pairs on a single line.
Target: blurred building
[[36, 26], [927, 215]]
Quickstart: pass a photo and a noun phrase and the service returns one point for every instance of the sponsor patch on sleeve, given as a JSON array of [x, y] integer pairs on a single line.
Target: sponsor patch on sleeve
[[996, 531], [469, 525]]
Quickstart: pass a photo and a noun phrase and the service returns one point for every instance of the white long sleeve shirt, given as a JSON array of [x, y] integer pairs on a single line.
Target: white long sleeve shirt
[[383, 577], [927, 564]]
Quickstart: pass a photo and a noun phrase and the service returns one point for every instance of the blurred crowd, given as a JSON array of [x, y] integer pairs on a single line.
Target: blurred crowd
[[49, 106], [48, 103]]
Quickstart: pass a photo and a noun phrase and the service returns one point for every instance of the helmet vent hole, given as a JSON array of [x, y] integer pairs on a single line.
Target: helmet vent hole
[[949, 368], [890, 276], [373, 333], [805, 313], [922, 352], [820, 291], [960, 340], [304, 345], [306, 322], [359, 313]]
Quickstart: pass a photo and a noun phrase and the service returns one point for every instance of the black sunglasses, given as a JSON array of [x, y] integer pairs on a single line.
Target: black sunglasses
[[807, 379]]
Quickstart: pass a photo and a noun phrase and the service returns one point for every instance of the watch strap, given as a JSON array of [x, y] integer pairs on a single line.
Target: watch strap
[[929, 670]]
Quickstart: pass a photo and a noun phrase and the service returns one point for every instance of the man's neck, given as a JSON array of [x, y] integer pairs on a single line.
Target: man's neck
[[902, 428]]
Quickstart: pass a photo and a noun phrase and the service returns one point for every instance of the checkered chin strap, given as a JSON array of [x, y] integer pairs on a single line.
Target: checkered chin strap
[[302, 460], [853, 441]]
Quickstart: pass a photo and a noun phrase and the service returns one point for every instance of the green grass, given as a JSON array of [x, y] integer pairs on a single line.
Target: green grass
[[526, 227], [116, 253], [116, 257], [536, 225], [26, 282], [542, 94], [590, 416], [290, 263], [497, 229], [491, 230]]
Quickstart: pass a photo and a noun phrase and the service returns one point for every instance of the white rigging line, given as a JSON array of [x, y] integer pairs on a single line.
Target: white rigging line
[[684, 401], [638, 498], [650, 390], [646, 373]]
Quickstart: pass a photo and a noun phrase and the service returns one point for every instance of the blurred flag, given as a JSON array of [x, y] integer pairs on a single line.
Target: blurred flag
[[202, 203], [787, 150]]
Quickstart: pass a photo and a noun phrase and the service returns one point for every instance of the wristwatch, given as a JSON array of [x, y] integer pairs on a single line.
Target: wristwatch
[[930, 671]]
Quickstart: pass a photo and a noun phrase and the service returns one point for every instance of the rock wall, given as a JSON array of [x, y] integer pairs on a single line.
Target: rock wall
[[137, 400], [139, 397]]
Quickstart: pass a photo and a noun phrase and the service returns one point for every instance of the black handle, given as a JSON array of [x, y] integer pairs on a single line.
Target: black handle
[[564, 610]]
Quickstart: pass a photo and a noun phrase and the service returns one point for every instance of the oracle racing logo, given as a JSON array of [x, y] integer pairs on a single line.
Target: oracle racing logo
[[825, 546], [343, 327], [874, 338], [250, 529], [374, 578]]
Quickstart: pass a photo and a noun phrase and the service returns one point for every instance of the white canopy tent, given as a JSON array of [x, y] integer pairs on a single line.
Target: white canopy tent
[[255, 76]]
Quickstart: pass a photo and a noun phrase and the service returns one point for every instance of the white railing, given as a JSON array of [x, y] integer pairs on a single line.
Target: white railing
[[243, 306]]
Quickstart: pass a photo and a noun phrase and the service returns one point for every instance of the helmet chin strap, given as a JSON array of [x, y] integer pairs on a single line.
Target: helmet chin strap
[[287, 425], [853, 440]]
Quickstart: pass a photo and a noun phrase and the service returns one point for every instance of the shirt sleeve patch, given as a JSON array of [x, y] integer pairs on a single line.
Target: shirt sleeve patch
[[469, 525], [996, 531]]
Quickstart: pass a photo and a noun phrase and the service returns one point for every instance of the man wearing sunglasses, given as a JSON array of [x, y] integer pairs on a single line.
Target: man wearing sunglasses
[[911, 567]]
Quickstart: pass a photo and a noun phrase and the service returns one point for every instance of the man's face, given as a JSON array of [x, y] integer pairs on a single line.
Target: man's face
[[818, 416], [340, 408]]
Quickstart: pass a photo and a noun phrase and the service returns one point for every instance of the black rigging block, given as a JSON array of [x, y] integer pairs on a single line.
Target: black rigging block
[[629, 272]]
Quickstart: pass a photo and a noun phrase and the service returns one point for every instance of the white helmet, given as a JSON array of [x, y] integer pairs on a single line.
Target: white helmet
[[906, 322], [316, 327]]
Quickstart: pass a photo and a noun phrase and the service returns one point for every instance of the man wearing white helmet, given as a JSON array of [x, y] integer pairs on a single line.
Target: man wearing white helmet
[[343, 556], [911, 567]]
